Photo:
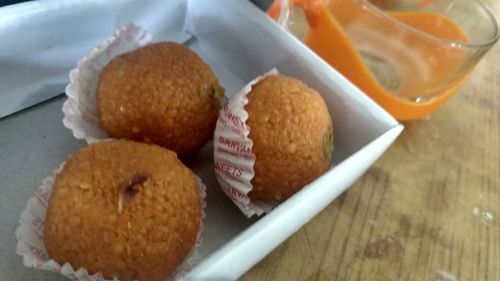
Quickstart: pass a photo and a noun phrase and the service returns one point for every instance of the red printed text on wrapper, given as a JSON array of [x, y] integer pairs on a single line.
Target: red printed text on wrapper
[[233, 157]]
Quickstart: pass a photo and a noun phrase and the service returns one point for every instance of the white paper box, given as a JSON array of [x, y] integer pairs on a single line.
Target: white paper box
[[47, 38]]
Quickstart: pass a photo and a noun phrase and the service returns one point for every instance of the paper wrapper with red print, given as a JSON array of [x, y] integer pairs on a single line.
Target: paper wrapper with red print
[[80, 109], [31, 247], [233, 157]]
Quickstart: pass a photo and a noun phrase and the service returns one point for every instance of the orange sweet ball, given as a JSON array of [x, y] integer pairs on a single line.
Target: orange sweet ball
[[162, 93], [292, 134], [125, 209]]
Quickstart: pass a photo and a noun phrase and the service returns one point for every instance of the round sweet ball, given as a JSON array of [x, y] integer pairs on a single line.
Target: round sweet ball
[[125, 209], [162, 93], [292, 134]]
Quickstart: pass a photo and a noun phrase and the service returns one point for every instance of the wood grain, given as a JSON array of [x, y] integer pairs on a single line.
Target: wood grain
[[429, 209]]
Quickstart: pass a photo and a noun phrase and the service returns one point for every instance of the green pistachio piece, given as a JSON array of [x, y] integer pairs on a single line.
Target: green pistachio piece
[[203, 90], [328, 143]]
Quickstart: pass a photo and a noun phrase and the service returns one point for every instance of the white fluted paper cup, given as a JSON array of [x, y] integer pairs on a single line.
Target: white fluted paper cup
[[233, 157], [80, 109]]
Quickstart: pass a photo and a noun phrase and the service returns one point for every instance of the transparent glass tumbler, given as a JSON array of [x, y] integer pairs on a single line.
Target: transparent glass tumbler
[[410, 56]]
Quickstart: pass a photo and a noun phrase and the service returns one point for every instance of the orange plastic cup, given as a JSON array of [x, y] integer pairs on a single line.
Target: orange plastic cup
[[408, 56]]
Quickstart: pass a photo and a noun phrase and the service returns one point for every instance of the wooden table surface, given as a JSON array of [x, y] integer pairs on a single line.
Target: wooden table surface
[[429, 209]]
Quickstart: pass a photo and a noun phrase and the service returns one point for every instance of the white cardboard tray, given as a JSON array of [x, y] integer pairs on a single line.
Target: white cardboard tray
[[41, 41]]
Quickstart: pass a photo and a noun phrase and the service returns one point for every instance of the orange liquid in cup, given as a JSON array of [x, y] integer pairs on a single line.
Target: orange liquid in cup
[[408, 73]]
